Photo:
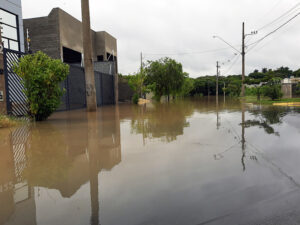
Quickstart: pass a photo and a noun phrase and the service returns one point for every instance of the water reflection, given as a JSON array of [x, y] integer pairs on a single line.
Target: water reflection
[[200, 160], [161, 121], [16, 194], [56, 156]]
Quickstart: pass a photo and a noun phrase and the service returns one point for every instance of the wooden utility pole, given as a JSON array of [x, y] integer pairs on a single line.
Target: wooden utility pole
[[141, 61], [91, 100], [217, 79], [224, 91], [243, 60]]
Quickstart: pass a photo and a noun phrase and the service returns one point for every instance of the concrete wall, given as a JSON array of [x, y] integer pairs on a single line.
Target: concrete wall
[[105, 44], [15, 7], [68, 30], [44, 33], [289, 90]]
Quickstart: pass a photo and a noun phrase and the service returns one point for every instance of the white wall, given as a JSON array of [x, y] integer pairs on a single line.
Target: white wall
[[15, 7]]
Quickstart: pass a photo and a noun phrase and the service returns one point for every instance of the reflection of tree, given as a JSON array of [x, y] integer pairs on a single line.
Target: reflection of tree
[[261, 124], [267, 117], [164, 121]]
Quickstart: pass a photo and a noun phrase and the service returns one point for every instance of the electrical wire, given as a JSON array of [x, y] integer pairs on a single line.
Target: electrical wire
[[290, 11], [268, 12], [267, 43], [188, 53], [254, 44], [233, 64]]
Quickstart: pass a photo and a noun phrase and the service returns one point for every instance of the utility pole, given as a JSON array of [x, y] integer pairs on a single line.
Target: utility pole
[[224, 91], [141, 61], [243, 53], [243, 60], [91, 100], [217, 79]]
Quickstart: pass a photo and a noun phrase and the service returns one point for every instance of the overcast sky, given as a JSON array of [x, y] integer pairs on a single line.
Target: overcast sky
[[173, 27]]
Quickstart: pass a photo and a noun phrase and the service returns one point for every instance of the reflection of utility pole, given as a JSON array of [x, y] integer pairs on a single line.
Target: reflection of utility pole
[[91, 101], [92, 151], [243, 137], [217, 109]]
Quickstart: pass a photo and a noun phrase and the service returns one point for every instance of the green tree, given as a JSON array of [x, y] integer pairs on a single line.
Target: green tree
[[187, 87], [137, 83], [165, 76], [42, 76]]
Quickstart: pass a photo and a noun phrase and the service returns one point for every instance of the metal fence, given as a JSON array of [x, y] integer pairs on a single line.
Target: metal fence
[[74, 96], [16, 99]]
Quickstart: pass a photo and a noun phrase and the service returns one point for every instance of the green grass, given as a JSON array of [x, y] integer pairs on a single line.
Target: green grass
[[8, 121], [268, 101]]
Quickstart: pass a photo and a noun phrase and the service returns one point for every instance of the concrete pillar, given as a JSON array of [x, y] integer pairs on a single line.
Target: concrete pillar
[[3, 105], [116, 84]]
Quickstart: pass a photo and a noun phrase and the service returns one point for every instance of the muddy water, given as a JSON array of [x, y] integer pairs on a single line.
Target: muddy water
[[189, 162]]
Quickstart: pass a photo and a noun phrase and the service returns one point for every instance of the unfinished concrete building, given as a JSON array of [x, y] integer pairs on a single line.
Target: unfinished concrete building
[[60, 36]]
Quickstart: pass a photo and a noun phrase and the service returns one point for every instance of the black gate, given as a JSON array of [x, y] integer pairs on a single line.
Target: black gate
[[74, 97], [16, 99]]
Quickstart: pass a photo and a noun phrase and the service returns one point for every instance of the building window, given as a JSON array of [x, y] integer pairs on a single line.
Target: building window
[[10, 35]]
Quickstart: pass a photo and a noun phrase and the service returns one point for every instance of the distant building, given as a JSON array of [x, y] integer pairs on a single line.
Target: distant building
[[60, 36], [12, 24], [289, 86]]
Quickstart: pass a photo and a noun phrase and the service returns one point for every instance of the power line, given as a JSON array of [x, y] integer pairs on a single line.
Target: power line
[[268, 12], [188, 53], [233, 63], [272, 32], [280, 17], [272, 40]]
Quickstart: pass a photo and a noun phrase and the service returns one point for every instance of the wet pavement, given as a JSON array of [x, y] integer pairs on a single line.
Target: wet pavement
[[189, 162]]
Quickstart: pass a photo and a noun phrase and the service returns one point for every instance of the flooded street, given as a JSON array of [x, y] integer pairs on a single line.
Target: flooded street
[[190, 162]]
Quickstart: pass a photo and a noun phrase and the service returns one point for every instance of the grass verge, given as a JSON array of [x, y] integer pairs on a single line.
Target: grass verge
[[7, 121], [268, 101]]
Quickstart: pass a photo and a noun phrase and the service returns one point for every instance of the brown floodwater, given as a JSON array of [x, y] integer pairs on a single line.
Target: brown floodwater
[[187, 162]]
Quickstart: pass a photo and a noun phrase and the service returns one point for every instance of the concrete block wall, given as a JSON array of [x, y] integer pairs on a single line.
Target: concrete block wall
[[287, 90], [44, 33]]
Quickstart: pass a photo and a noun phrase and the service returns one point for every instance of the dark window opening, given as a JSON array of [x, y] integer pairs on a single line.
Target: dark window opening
[[100, 58], [110, 57], [71, 56]]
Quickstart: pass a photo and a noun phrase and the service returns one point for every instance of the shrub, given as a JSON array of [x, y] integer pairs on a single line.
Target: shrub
[[42, 76], [272, 91], [135, 98]]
